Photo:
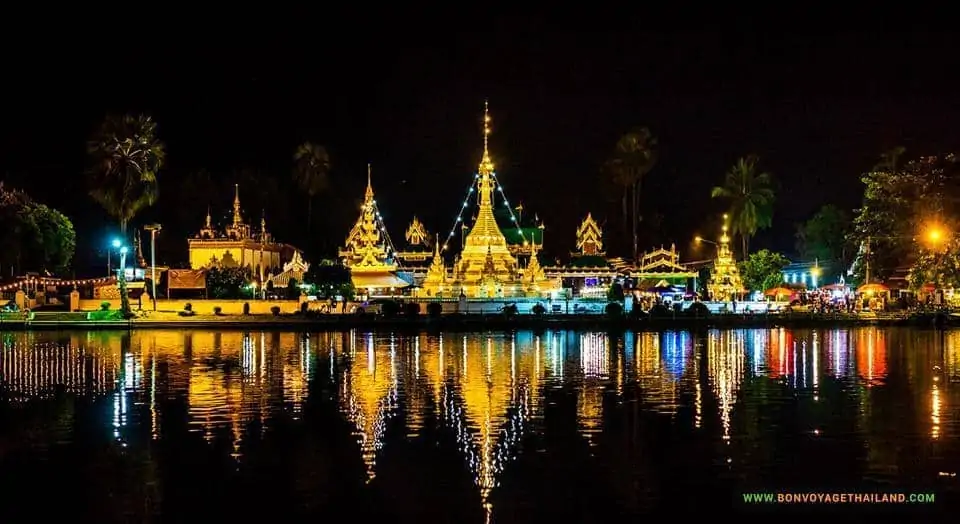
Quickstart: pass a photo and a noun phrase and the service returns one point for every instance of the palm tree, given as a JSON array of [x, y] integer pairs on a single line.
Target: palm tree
[[634, 157], [751, 199], [126, 156], [311, 172]]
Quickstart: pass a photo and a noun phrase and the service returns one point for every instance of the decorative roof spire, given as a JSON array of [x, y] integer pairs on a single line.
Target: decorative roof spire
[[486, 165], [263, 223], [368, 197], [236, 206], [209, 219]]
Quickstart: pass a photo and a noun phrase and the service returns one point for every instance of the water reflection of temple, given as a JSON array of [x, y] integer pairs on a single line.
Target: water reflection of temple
[[368, 394]]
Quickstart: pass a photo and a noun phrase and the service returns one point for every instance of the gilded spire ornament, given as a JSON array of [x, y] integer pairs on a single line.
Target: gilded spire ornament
[[237, 219], [725, 283]]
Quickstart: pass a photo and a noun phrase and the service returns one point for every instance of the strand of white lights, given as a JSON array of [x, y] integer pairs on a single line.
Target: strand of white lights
[[459, 220], [391, 249], [506, 203]]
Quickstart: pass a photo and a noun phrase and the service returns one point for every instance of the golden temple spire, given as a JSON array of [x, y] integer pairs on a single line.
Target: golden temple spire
[[263, 223], [368, 197], [486, 165], [236, 205], [209, 219]]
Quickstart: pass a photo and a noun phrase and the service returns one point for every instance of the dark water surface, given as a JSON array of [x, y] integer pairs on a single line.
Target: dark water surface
[[525, 427]]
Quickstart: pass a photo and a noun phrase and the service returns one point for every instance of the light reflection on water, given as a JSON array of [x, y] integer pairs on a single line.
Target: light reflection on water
[[491, 390]]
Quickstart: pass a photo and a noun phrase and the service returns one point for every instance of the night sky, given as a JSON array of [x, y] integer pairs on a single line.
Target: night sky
[[817, 110]]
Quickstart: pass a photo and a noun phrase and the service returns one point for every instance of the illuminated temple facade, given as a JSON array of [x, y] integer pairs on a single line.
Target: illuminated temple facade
[[238, 245], [486, 266], [725, 283], [369, 253]]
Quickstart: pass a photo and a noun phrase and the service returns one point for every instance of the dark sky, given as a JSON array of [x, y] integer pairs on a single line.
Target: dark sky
[[818, 110]]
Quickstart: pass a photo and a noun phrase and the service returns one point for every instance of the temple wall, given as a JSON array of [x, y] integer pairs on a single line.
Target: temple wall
[[203, 306], [201, 255]]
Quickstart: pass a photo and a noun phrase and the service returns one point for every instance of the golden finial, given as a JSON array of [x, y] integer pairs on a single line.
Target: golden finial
[[209, 220], [236, 204], [369, 195], [486, 165], [263, 221]]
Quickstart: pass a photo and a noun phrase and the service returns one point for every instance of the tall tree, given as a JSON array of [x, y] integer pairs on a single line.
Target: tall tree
[[126, 156], [751, 197], [824, 238], [635, 155], [311, 172], [32, 235], [901, 201]]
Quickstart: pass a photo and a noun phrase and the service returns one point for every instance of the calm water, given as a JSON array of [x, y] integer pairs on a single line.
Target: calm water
[[525, 427]]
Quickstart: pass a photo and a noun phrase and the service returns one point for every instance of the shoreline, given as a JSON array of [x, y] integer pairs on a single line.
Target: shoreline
[[480, 322]]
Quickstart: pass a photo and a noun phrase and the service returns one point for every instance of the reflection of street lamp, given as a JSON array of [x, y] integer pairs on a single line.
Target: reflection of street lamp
[[153, 229]]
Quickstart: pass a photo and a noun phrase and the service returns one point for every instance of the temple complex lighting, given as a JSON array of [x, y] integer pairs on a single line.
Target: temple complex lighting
[[486, 266], [368, 250], [238, 245], [725, 283]]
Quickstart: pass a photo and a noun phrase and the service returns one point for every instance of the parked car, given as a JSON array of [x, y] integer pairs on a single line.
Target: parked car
[[10, 307]]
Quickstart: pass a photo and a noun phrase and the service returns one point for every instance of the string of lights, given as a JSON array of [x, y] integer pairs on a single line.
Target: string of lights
[[506, 203], [58, 282], [466, 203], [391, 249], [459, 220]]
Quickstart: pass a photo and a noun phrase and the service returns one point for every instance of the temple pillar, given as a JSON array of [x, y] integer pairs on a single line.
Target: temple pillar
[[20, 298], [74, 300]]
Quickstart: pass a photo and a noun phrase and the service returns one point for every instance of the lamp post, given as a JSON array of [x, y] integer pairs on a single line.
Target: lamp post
[[153, 229], [121, 277]]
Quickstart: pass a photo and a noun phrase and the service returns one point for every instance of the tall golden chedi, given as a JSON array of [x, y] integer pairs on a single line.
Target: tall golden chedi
[[725, 283], [371, 269], [485, 267]]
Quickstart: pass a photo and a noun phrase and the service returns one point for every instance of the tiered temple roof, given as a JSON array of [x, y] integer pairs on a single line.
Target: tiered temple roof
[[725, 283], [487, 267], [368, 249]]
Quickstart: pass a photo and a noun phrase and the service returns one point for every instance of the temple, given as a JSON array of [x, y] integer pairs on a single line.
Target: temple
[[588, 274], [486, 266], [725, 283], [368, 251], [238, 245]]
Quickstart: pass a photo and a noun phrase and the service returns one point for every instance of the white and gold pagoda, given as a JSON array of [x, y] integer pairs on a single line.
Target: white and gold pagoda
[[725, 283], [486, 267], [237, 245], [372, 270]]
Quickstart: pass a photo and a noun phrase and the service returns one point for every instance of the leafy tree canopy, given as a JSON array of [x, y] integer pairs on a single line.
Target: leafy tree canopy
[[900, 202], [330, 279], [33, 236], [825, 238], [228, 282], [763, 270]]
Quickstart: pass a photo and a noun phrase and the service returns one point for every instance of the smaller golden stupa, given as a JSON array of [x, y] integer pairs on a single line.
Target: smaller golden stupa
[[725, 283], [371, 268]]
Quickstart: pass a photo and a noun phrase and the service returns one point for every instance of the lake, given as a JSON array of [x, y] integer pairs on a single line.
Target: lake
[[554, 426]]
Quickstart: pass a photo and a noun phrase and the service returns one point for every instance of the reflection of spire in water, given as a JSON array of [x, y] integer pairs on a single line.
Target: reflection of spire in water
[[594, 363], [496, 384], [935, 408], [725, 360], [369, 398]]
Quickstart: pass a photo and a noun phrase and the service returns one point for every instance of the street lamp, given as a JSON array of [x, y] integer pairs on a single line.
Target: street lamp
[[701, 239], [115, 244], [153, 229]]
